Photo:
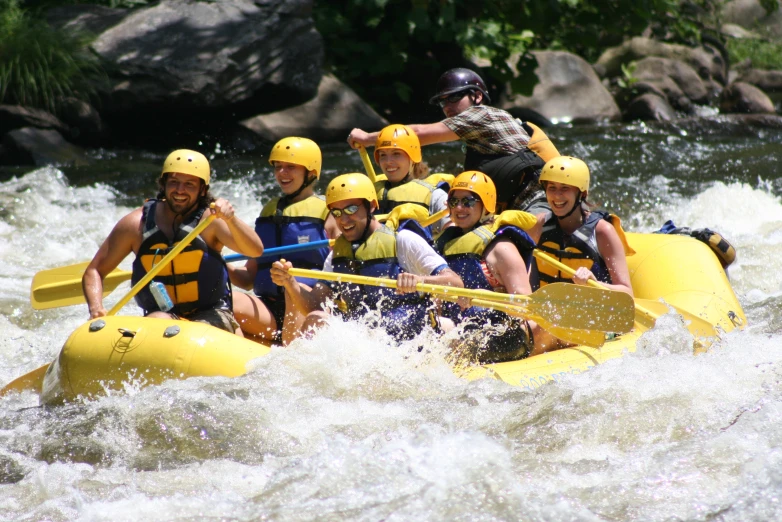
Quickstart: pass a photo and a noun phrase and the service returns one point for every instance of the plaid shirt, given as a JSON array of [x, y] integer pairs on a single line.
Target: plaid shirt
[[488, 130]]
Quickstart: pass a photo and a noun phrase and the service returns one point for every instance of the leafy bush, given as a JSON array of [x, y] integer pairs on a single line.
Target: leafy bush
[[40, 65], [392, 51], [763, 54]]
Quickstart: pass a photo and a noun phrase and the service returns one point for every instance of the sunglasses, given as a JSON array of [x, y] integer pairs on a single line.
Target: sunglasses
[[467, 202], [349, 210], [452, 98]]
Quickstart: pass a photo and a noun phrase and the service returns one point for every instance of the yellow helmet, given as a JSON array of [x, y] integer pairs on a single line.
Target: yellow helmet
[[568, 171], [299, 151], [187, 162], [350, 186], [480, 184], [399, 137]]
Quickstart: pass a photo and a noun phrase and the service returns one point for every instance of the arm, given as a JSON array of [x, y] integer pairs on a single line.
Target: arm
[[610, 247], [506, 264], [228, 230], [421, 264], [304, 298], [243, 277], [428, 133], [121, 241]]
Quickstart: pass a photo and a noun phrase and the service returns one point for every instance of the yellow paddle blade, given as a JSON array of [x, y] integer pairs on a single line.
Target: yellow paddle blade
[[579, 307], [62, 286], [29, 381], [646, 311], [592, 338]]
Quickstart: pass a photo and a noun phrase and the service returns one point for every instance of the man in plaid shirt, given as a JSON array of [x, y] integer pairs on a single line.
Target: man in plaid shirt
[[495, 142]]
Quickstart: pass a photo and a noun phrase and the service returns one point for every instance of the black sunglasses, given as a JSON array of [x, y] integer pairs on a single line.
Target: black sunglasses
[[349, 210], [452, 98], [467, 202]]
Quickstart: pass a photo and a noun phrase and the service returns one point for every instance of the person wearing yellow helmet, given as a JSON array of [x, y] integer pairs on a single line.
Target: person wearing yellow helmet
[[489, 252], [398, 153], [197, 280], [299, 216], [591, 242], [368, 248], [510, 151]]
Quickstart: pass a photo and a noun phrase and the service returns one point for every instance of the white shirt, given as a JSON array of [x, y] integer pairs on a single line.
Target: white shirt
[[414, 254]]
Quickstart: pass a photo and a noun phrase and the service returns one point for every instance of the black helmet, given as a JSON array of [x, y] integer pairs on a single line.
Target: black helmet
[[456, 80]]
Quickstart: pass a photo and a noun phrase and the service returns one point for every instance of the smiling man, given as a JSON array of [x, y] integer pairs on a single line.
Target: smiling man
[[369, 248], [508, 150], [197, 279]]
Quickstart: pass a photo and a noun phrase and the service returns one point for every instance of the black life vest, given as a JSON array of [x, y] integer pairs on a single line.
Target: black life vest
[[197, 278]]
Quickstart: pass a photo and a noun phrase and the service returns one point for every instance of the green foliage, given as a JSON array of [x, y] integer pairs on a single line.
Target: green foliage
[[770, 5], [392, 51], [39, 65], [628, 78], [763, 54]]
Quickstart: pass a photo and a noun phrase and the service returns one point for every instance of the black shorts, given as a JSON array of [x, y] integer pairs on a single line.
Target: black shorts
[[277, 308]]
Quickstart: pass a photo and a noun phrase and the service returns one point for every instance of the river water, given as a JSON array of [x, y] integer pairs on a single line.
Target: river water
[[349, 426]]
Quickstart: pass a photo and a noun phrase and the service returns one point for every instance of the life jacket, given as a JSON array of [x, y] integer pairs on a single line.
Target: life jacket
[[404, 315], [416, 192], [512, 174], [293, 224], [576, 250], [464, 253], [197, 278], [539, 142]]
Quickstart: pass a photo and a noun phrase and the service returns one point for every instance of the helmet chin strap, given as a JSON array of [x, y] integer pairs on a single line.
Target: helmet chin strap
[[365, 235], [309, 180], [576, 205]]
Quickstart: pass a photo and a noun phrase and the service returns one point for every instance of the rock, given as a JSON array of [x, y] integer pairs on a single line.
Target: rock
[[86, 125], [568, 90], [706, 61], [740, 97], [31, 146], [736, 31], [330, 116], [767, 81], [680, 83], [183, 56], [650, 107], [15, 117], [750, 14], [87, 18]]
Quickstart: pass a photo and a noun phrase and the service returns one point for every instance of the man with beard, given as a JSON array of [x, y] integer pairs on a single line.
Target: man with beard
[[197, 279]]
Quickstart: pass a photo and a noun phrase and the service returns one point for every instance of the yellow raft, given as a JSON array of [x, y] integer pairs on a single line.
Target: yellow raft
[[106, 353]]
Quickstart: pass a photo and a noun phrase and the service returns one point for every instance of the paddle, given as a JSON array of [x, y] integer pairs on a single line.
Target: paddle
[[368, 166], [34, 379], [644, 313], [593, 338], [558, 305], [61, 286]]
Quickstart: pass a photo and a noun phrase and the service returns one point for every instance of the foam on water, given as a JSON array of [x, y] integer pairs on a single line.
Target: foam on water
[[349, 425]]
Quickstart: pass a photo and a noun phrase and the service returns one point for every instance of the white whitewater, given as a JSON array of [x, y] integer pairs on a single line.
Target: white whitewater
[[349, 426]]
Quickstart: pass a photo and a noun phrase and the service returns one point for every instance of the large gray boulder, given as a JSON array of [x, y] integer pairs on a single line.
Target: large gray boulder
[[183, 56], [568, 90], [706, 61], [740, 97], [330, 116], [750, 14], [31, 146], [767, 81]]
